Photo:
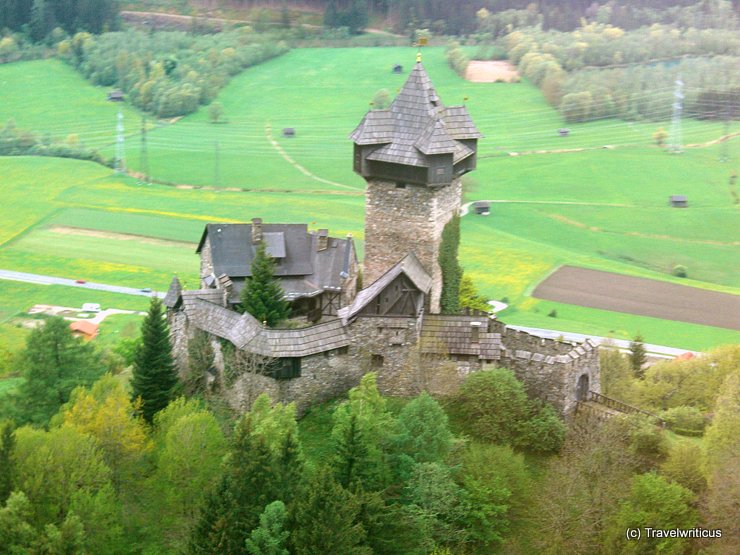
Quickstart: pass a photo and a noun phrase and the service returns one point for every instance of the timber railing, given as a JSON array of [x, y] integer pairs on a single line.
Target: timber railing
[[620, 406]]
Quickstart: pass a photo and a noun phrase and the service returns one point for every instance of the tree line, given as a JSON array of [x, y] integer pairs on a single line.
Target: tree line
[[39, 17], [602, 71], [167, 73]]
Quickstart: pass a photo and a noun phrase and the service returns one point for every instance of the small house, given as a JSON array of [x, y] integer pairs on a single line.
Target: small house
[[679, 201], [86, 330], [398, 68], [482, 207], [115, 96], [563, 131], [289, 132]]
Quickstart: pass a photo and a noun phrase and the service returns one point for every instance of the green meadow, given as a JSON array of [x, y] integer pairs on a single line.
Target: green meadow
[[604, 208], [51, 98]]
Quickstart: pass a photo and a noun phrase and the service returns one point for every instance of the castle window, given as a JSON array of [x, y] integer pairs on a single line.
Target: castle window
[[284, 368], [376, 361], [440, 171], [400, 185]]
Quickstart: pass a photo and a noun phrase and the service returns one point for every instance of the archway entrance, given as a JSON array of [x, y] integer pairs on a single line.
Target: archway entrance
[[582, 388]]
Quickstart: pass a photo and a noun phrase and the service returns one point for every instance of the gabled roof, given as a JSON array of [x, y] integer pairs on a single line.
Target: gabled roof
[[90, 329], [173, 293], [416, 125], [303, 268], [232, 250], [409, 265]]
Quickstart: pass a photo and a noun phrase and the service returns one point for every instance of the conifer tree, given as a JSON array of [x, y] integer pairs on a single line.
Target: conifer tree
[[256, 475], [325, 519], [154, 377], [637, 356], [53, 363], [7, 445], [262, 295]]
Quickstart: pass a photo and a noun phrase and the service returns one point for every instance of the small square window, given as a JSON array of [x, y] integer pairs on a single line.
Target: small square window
[[376, 361]]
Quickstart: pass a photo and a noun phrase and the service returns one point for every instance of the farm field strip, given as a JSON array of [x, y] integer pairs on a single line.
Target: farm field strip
[[633, 295]]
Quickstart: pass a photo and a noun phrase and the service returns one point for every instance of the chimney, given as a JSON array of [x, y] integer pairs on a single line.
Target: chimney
[[475, 332], [256, 231], [323, 239]]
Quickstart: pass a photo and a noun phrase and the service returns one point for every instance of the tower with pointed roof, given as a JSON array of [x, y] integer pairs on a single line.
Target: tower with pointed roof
[[412, 156]]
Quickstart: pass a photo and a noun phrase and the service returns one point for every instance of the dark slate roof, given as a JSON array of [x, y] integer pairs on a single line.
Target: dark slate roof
[[173, 293], [452, 335], [409, 265], [416, 125], [303, 269], [245, 332]]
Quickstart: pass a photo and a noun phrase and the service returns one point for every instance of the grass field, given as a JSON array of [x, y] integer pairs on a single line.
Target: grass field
[[51, 98], [603, 208], [323, 94]]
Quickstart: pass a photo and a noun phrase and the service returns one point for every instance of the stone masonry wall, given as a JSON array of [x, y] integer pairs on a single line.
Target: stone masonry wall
[[389, 346], [206, 261], [407, 220]]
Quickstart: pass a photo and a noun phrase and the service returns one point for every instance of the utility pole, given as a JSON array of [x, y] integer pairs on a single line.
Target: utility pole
[[144, 156], [217, 166], [120, 164], [674, 139]]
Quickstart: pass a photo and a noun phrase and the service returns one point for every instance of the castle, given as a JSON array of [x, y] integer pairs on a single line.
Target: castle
[[412, 156]]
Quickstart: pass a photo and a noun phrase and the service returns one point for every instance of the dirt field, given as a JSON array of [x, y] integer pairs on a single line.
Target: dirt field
[[645, 297], [489, 72], [119, 236]]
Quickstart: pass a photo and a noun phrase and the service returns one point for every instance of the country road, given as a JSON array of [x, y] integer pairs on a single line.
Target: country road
[[51, 280]]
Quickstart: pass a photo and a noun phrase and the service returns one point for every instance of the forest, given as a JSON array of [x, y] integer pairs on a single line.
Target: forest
[[94, 461]]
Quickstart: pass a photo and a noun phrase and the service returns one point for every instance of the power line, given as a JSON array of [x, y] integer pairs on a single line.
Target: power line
[[144, 156], [120, 159], [674, 140]]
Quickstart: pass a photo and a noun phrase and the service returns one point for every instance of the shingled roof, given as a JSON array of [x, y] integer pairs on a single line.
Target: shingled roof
[[304, 270], [245, 332], [454, 335], [409, 265], [416, 125]]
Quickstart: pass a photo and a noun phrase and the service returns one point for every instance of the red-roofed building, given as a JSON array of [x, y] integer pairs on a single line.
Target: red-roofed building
[[86, 330]]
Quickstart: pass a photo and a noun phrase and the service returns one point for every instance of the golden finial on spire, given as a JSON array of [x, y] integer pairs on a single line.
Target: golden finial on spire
[[418, 57]]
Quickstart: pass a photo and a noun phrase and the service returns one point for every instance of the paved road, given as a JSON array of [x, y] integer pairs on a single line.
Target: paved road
[[657, 350], [51, 280]]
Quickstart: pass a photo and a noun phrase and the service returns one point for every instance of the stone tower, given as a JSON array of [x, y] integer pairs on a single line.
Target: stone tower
[[412, 156]]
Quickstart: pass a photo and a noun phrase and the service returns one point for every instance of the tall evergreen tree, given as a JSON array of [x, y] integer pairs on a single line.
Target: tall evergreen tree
[[53, 363], [325, 519], [451, 270], [254, 478], [7, 445], [638, 356], [155, 378], [262, 295]]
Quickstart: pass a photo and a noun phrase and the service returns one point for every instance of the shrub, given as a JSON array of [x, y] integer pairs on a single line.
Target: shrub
[[683, 466], [679, 270], [685, 420], [493, 406]]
